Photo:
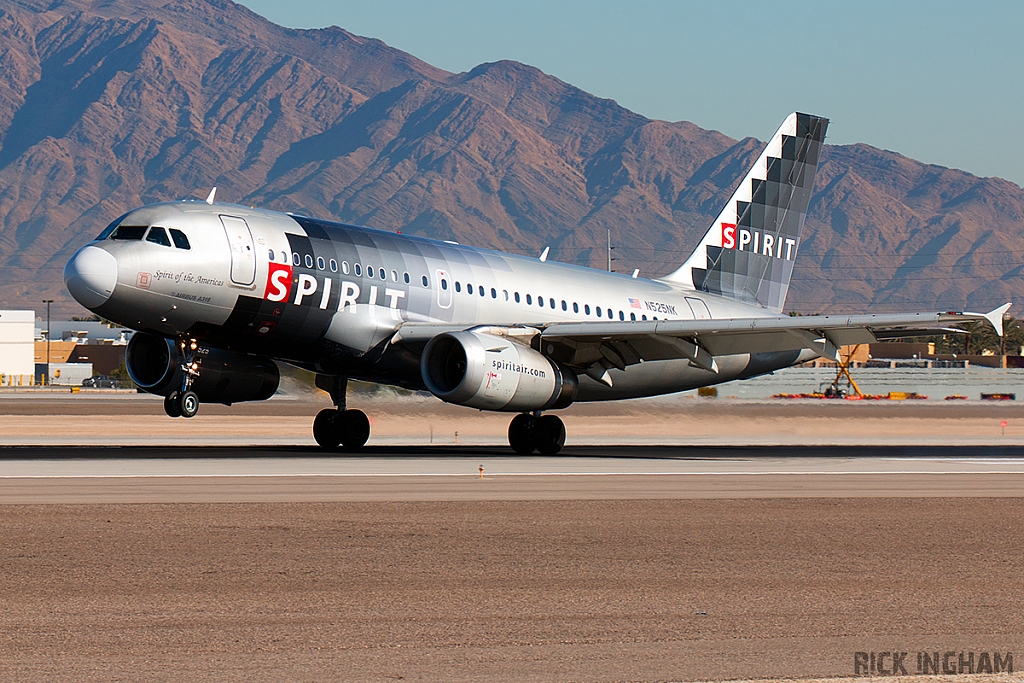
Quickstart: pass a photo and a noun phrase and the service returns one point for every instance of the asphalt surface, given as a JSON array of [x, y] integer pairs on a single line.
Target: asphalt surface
[[569, 590], [606, 563]]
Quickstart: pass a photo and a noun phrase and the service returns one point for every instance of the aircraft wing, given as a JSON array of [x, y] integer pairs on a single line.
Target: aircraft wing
[[619, 344], [627, 343]]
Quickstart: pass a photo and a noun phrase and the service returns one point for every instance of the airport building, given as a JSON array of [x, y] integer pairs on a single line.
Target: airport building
[[17, 332]]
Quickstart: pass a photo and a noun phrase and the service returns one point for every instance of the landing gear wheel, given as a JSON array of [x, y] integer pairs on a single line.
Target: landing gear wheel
[[324, 431], [348, 428], [520, 434], [549, 433], [171, 406], [353, 429], [188, 404]]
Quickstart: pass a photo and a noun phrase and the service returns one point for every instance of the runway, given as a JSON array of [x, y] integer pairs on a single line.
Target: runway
[[446, 473]]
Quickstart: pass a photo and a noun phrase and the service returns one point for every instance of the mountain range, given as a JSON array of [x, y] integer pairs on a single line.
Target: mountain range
[[111, 104]]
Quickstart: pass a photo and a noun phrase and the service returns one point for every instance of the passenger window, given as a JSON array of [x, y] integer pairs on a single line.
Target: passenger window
[[394, 276], [494, 293], [586, 308], [128, 232], [405, 276], [540, 301], [444, 284], [383, 275], [284, 256], [359, 270], [598, 311], [610, 314], [621, 316], [320, 263], [482, 292], [271, 255], [344, 267], [575, 307], [426, 282], [295, 259], [529, 300], [504, 293], [181, 242], [309, 260], [517, 297], [564, 307], [643, 317], [158, 236], [552, 302], [469, 288], [458, 286], [369, 271], [632, 316], [334, 266]]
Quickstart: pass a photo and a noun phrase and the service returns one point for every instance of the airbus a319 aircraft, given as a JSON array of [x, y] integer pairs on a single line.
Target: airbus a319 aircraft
[[218, 293]]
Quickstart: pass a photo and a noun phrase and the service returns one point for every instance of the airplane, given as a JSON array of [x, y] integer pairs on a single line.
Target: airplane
[[219, 293]]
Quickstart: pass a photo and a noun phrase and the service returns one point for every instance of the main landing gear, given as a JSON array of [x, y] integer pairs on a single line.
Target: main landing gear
[[185, 403], [337, 426], [528, 433]]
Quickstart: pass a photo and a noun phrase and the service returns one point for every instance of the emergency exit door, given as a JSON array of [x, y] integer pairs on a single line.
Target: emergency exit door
[[243, 255]]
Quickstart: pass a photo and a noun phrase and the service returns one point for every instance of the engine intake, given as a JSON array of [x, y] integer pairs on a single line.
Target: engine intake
[[485, 371], [154, 364]]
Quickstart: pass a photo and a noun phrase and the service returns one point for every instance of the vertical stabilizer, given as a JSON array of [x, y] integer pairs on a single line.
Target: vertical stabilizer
[[749, 251]]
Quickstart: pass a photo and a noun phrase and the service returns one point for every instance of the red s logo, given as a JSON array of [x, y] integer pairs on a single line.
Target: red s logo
[[729, 235], [279, 282]]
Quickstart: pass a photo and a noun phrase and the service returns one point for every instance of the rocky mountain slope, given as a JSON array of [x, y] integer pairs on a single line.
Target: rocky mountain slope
[[109, 104]]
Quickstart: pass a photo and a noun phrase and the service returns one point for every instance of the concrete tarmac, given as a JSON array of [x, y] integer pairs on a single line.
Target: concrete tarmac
[[446, 473]]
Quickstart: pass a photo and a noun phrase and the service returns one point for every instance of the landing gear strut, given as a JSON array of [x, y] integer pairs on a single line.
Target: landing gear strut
[[528, 433], [185, 403], [337, 426]]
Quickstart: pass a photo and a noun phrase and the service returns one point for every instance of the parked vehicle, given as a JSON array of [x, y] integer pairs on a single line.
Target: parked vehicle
[[102, 382]]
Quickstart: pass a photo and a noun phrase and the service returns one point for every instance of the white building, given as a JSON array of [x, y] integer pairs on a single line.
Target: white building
[[17, 348]]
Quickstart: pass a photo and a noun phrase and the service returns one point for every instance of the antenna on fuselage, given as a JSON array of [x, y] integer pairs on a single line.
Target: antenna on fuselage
[[212, 196], [544, 254]]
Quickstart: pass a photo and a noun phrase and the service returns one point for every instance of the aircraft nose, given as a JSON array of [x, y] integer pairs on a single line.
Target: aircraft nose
[[90, 276]]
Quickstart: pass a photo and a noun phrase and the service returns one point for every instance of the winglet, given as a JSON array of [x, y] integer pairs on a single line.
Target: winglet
[[212, 196], [996, 317]]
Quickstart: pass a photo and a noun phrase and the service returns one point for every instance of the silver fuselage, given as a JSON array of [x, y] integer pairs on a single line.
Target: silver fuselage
[[330, 297]]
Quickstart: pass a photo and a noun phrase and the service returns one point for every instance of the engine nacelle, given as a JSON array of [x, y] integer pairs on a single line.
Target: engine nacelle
[[488, 372], [154, 364]]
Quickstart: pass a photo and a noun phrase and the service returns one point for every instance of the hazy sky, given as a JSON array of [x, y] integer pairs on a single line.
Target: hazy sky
[[942, 82]]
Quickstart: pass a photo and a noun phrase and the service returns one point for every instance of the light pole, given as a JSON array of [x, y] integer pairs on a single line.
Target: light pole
[[47, 302]]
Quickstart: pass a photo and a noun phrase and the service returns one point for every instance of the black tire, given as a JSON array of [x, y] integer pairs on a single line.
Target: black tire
[[171, 406], [550, 434], [353, 429], [188, 404], [324, 430], [520, 434]]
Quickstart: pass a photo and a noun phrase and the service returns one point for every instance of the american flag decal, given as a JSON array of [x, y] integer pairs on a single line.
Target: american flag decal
[[634, 303]]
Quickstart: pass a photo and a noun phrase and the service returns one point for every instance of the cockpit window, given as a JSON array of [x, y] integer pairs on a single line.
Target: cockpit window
[[180, 240], [128, 232], [158, 235], [110, 228]]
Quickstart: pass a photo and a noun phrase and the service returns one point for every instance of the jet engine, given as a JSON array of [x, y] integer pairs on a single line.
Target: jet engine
[[154, 364], [490, 372]]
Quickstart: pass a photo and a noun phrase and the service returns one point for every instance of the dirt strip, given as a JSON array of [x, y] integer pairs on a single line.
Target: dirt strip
[[507, 591]]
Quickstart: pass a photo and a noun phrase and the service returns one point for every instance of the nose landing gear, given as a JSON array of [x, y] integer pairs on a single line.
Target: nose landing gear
[[185, 403], [337, 426], [544, 433]]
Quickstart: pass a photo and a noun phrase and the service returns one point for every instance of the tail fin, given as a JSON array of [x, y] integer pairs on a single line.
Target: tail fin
[[749, 251]]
